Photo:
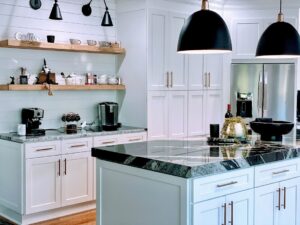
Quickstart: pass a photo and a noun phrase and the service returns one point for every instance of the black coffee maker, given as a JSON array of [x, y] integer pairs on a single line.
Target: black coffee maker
[[31, 117], [108, 116]]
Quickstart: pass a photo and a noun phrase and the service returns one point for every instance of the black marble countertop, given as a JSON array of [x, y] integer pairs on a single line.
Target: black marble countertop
[[189, 159], [56, 135]]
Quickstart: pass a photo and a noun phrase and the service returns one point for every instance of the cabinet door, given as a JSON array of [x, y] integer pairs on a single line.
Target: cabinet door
[[240, 208], [177, 114], [209, 212], [77, 178], [290, 192], [213, 68], [195, 113], [196, 75], [266, 205], [43, 184], [157, 76], [213, 109], [177, 64], [245, 37], [157, 115]]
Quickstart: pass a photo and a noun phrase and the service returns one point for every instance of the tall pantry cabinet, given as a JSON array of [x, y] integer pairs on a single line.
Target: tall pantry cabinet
[[184, 93]]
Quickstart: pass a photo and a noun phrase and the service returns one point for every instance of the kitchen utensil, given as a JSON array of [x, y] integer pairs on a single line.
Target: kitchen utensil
[[21, 129], [51, 38], [113, 80], [35, 4], [86, 9], [108, 115], [234, 127], [32, 117], [91, 42], [75, 41], [271, 130]]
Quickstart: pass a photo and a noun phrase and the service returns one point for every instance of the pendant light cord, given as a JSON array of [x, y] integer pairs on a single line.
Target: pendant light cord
[[105, 5], [280, 14]]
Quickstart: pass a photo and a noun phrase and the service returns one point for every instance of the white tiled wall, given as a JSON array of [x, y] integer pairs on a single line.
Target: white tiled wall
[[18, 16]]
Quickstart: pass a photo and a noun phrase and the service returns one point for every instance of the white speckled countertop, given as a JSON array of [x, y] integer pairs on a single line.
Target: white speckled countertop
[[52, 135]]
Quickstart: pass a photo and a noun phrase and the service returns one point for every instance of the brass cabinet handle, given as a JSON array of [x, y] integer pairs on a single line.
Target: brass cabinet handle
[[108, 142], [279, 199], [43, 149], [208, 79], [59, 167], [65, 166], [205, 79], [77, 146], [279, 172], [284, 197], [231, 212], [168, 80], [225, 218], [135, 139], [227, 184], [171, 83]]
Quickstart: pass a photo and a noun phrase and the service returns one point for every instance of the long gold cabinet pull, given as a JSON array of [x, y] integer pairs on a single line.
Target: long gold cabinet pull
[[231, 213], [279, 199], [171, 83], [65, 166], [168, 80], [59, 167], [284, 198], [208, 79]]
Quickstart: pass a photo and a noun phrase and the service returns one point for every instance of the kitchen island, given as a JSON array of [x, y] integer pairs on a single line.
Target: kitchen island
[[194, 183]]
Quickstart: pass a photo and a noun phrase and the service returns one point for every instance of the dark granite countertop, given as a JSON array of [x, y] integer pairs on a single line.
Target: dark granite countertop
[[189, 159], [56, 135]]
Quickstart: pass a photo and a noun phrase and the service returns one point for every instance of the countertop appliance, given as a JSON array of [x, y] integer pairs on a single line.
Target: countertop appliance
[[32, 117], [108, 116], [268, 90]]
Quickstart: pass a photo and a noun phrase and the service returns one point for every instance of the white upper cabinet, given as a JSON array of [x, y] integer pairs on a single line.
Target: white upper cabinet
[[167, 69]]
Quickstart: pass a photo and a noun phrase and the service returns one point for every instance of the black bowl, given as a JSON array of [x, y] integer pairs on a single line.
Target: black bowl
[[272, 130]]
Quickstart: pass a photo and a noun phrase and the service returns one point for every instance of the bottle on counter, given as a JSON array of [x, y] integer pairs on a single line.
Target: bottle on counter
[[228, 114]]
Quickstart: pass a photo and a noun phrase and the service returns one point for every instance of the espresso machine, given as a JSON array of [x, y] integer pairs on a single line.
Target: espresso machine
[[32, 117], [108, 116]]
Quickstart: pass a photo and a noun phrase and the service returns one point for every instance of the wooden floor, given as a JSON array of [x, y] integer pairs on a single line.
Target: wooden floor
[[85, 218]]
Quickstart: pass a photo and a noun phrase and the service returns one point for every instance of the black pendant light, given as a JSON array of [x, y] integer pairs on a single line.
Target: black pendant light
[[279, 40], [204, 32], [55, 12], [106, 21]]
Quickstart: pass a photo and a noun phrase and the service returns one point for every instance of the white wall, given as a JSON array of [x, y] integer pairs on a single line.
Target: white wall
[[17, 16]]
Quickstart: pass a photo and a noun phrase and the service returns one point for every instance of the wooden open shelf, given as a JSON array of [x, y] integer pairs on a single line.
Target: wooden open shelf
[[59, 47], [41, 87]]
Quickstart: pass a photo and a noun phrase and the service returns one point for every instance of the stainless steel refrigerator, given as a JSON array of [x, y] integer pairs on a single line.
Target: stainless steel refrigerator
[[263, 90]]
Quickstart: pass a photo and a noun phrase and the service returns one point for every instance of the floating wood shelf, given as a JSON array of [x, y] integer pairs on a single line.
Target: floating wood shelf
[[41, 87], [59, 47]]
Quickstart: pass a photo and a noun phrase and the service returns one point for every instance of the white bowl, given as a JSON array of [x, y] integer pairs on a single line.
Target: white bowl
[[75, 41]]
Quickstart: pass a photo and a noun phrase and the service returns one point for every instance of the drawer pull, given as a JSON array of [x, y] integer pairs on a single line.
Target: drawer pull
[[108, 142], [227, 184], [135, 139], [231, 212], [65, 166], [280, 172], [78, 146], [225, 214], [43, 149], [59, 167]]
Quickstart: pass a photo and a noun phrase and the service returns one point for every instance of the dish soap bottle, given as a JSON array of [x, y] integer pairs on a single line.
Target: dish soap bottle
[[228, 114]]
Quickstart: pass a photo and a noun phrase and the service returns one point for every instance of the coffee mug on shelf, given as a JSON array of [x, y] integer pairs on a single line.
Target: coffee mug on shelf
[[21, 129], [75, 41], [91, 42], [50, 38]]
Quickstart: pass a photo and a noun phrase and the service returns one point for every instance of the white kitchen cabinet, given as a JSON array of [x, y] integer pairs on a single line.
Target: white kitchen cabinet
[[204, 108], [77, 178], [43, 183], [205, 72], [167, 117], [167, 68], [230, 209], [278, 203]]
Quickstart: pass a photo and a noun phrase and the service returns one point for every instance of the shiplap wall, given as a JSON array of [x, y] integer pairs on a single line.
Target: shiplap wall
[[17, 16]]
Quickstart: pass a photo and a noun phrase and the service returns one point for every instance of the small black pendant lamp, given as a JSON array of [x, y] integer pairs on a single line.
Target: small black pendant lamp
[[106, 21], [204, 32], [279, 40], [55, 12]]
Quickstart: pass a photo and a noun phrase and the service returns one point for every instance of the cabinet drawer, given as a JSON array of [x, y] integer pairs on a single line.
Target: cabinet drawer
[[133, 137], [76, 145], [106, 140], [275, 172], [223, 184], [41, 149]]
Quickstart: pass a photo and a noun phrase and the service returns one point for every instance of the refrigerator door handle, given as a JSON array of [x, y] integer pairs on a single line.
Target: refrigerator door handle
[[259, 94]]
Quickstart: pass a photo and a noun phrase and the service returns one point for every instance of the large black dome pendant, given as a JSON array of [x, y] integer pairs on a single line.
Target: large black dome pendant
[[204, 32], [280, 40]]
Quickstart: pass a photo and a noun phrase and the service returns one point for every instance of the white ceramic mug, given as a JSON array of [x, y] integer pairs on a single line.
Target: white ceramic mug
[[21, 129]]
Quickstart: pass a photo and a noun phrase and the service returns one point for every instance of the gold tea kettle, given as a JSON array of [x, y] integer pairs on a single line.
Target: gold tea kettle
[[234, 127]]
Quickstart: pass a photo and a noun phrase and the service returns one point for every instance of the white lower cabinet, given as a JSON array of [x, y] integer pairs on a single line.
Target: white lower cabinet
[[278, 203], [234, 209], [167, 114], [204, 108], [43, 183]]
